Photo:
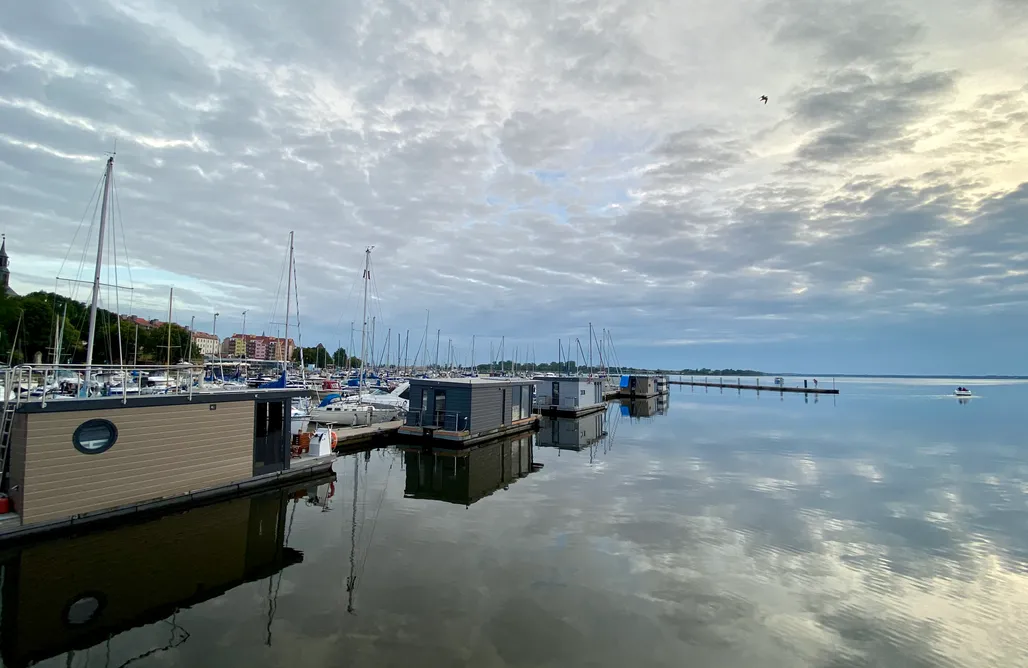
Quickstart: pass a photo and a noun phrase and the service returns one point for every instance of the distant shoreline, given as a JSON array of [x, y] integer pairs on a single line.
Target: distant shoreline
[[899, 376]]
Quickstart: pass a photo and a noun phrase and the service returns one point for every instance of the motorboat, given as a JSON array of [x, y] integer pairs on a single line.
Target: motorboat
[[962, 392], [370, 406]]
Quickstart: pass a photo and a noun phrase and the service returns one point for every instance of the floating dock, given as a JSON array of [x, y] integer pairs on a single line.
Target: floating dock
[[739, 385], [353, 439]]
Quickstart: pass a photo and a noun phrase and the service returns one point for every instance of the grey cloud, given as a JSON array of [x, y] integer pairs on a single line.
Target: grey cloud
[[480, 148]]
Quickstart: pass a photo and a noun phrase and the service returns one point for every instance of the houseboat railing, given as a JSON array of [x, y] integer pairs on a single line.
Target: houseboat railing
[[444, 420]]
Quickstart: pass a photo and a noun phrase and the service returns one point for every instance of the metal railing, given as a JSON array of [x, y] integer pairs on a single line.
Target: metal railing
[[443, 420], [45, 383]]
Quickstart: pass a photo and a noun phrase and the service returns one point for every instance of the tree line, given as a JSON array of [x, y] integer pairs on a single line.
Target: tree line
[[31, 325]]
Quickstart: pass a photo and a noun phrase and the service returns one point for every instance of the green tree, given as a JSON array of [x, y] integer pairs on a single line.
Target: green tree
[[339, 357]]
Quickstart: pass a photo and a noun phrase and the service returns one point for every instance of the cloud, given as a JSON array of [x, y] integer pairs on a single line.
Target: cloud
[[480, 150]]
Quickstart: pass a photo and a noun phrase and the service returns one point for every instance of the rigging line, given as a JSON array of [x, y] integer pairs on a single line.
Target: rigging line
[[374, 521], [278, 292], [273, 602], [81, 221], [171, 645], [121, 226], [85, 248], [347, 302]]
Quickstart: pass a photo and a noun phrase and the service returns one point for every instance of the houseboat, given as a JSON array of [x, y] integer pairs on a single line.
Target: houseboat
[[569, 396], [79, 460], [571, 433], [469, 410], [637, 386], [467, 475], [63, 596]]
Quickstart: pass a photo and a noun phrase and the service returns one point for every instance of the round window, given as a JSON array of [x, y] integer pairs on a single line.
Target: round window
[[95, 436], [83, 609]]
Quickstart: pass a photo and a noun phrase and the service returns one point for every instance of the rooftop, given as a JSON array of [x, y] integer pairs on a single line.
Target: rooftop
[[481, 382]]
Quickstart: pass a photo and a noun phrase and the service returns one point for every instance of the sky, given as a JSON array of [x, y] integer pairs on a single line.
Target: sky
[[525, 168]]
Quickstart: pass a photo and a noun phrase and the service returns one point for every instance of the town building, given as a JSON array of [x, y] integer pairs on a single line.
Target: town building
[[206, 343]]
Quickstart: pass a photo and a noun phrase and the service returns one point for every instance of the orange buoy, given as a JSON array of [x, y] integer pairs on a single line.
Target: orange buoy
[[335, 439]]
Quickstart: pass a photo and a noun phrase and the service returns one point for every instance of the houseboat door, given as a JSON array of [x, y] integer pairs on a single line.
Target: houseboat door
[[270, 436], [440, 409], [555, 394]]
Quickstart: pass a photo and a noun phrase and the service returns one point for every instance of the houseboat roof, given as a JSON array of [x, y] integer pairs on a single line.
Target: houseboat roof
[[177, 399], [568, 378], [473, 382]]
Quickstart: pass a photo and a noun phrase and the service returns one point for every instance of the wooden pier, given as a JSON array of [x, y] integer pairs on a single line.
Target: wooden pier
[[352, 439], [739, 385]]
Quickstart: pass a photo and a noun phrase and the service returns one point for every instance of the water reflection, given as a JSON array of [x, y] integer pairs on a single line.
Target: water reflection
[[737, 530], [568, 433], [468, 475], [64, 596], [641, 408]]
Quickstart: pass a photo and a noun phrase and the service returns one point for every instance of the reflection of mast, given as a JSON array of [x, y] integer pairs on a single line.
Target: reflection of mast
[[351, 582]]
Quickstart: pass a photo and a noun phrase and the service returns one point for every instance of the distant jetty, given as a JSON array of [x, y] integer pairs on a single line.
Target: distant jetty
[[751, 385]]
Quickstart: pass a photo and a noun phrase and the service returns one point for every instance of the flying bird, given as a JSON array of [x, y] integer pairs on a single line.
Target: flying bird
[[763, 98]]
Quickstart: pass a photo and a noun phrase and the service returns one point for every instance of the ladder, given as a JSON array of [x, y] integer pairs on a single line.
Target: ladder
[[9, 408]]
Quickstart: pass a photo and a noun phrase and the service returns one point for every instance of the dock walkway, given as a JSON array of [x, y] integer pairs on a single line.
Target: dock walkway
[[349, 439], [739, 385]]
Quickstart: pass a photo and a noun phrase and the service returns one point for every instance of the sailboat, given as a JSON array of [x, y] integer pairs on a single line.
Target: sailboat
[[368, 406]]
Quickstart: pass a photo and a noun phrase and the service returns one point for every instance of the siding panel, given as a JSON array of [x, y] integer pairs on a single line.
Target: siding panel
[[161, 451]]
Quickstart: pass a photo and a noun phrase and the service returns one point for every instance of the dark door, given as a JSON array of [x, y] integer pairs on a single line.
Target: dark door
[[440, 408], [270, 436], [555, 394], [503, 406]]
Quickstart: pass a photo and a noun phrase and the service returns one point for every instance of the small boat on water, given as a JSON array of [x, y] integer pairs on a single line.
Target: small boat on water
[[962, 392]]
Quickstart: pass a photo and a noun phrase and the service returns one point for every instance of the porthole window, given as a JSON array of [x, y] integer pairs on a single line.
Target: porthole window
[[84, 609], [95, 436]]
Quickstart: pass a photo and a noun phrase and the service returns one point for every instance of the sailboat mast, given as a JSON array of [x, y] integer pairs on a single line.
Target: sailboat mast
[[171, 301], [96, 274], [289, 290], [364, 320]]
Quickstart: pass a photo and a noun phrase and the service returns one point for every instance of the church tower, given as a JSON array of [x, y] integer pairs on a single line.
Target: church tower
[[5, 270]]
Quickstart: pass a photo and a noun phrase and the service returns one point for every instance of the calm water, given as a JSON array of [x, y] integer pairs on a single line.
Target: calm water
[[887, 527]]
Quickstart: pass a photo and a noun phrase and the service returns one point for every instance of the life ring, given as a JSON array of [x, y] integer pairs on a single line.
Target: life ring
[[335, 439], [331, 490]]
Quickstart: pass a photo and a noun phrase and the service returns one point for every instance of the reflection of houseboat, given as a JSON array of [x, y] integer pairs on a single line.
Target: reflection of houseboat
[[469, 410], [79, 460], [569, 395], [467, 475], [69, 594], [647, 407], [571, 433]]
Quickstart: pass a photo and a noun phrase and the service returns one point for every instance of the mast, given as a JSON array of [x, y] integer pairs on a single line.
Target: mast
[[135, 347], [437, 348], [171, 299], [289, 290], [351, 582], [364, 322], [474, 369], [96, 274], [590, 349], [60, 334]]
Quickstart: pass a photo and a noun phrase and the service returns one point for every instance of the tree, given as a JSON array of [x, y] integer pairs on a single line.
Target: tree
[[355, 363], [339, 357]]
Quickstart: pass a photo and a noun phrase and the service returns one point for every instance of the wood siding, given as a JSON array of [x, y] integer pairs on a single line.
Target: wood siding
[[161, 451]]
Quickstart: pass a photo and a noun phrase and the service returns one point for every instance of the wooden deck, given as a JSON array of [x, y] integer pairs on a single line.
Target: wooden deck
[[349, 439], [770, 387]]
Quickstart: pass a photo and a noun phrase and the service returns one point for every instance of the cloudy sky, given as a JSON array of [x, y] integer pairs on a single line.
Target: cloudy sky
[[523, 168]]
